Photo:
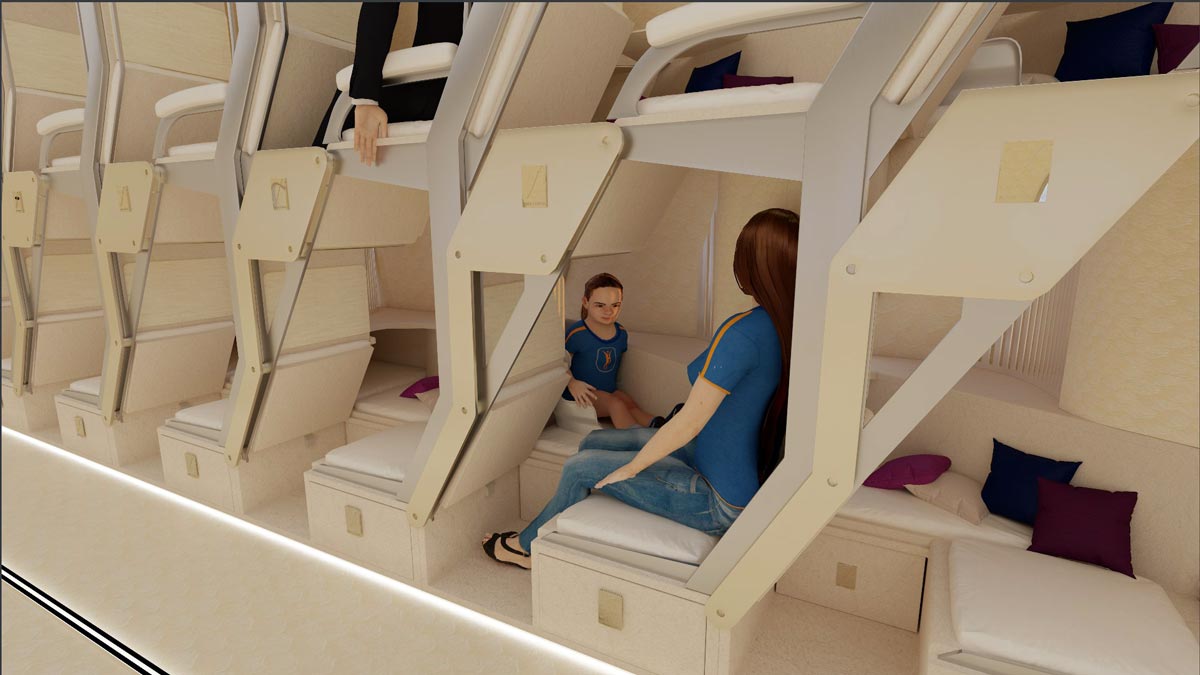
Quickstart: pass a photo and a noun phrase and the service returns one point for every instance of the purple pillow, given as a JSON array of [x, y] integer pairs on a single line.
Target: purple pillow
[[735, 81], [1175, 41], [420, 387], [1084, 524], [910, 470]]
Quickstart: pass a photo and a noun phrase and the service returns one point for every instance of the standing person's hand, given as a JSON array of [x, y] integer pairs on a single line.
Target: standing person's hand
[[370, 124], [584, 393]]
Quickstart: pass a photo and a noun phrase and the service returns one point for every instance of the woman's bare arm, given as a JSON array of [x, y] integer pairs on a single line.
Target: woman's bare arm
[[702, 402]]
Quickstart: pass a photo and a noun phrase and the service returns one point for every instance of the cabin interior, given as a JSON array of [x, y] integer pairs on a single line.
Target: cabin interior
[[998, 273]]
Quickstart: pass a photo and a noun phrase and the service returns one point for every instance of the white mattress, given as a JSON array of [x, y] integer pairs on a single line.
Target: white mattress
[[6, 364], [65, 162], [90, 386], [899, 509], [385, 454], [209, 415], [382, 376], [1064, 616], [605, 520], [390, 405], [399, 130], [559, 441], [799, 96]]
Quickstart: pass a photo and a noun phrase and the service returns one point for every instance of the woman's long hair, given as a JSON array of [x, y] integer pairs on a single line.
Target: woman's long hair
[[764, 265], [602, 280]]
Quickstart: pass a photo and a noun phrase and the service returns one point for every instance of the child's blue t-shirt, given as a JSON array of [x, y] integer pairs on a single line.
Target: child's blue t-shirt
[[594, 360], [744, 360]]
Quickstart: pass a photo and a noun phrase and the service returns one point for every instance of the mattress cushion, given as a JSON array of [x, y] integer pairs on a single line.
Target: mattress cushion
[[382, 376], [385, 454], [90, 386], [1064, 616], [899, 509], [65, 162], [6, 364], [558, 441], [799, 94], [63, 119], [606, 520], [209, 415], [390, 405]]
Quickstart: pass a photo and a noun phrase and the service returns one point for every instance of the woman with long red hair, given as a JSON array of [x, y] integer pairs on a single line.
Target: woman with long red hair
[[705, 464]]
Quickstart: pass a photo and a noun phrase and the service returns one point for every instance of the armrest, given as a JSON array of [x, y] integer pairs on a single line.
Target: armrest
[[426, 62], [702, 19], [59, 122], [205, 98]]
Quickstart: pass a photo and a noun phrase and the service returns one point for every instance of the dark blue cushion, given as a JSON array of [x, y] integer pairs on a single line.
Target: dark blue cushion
[[1117, 45], [707, 78], [1011, 489]]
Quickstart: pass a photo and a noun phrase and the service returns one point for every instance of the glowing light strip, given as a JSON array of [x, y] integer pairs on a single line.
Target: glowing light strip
[[438, 603]]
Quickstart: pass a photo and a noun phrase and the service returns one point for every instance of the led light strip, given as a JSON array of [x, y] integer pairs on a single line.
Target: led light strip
[[435, 602], [80, 624]]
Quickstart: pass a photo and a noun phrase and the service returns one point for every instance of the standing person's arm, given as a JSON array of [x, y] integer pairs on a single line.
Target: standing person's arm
[[376, 23]]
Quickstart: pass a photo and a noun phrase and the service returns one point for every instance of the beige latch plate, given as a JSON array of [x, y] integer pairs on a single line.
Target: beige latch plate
[[24, 194], [611, 610], [128, 201], [80, 428], [283, 200], [193, 464], [847, 576], [354, 521]]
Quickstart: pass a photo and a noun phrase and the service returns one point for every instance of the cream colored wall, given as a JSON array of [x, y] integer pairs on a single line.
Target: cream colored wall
[[185, 37], [31, 107], [45, 47], [661, 278], [136, 124], [339, 20], [738, 198], [1134, 357], [1167, 517], [305, 88], [593, 29], [406, 274]]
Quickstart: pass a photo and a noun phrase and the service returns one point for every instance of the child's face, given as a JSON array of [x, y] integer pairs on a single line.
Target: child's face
[[604, 305]]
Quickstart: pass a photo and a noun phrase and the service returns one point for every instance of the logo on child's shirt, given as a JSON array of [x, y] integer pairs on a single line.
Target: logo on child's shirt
[[606, 359]]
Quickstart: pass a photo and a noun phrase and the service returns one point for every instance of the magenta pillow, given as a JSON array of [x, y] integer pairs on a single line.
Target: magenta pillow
[[910, 470], [1174, 41], [1084, 524], [420, 387], [735, 81]]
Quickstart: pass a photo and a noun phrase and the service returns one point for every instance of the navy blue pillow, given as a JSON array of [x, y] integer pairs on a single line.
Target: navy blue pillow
[[1011, 489], [712, 76], [1117, 45]]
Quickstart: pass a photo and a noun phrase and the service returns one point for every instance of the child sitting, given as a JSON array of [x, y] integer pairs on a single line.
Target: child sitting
[[596, 344]]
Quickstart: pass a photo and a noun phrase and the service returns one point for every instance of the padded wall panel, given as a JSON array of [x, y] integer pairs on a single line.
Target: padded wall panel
[[1133, 361]]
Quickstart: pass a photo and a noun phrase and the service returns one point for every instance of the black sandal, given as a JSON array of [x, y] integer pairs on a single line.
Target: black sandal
[[489, 547]]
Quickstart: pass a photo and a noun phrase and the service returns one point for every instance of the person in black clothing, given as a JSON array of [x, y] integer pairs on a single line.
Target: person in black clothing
[[375, 106]]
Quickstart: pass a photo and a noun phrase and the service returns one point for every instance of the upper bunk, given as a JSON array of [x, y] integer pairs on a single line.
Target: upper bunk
[[990, 240]]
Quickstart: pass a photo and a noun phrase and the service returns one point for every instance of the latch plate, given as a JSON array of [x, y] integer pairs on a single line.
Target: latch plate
[[193, 464], [611, 610], [354, 520]]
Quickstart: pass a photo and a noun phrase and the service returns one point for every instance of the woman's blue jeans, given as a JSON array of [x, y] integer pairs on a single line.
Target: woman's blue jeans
[[671, 487]]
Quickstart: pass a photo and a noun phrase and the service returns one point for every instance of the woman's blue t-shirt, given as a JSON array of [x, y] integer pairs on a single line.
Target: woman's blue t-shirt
[[594, 360], [744, 360]]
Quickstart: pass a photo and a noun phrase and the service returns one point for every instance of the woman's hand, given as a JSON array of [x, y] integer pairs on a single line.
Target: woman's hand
[[584, 393], [624, 473], [370, 124]]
